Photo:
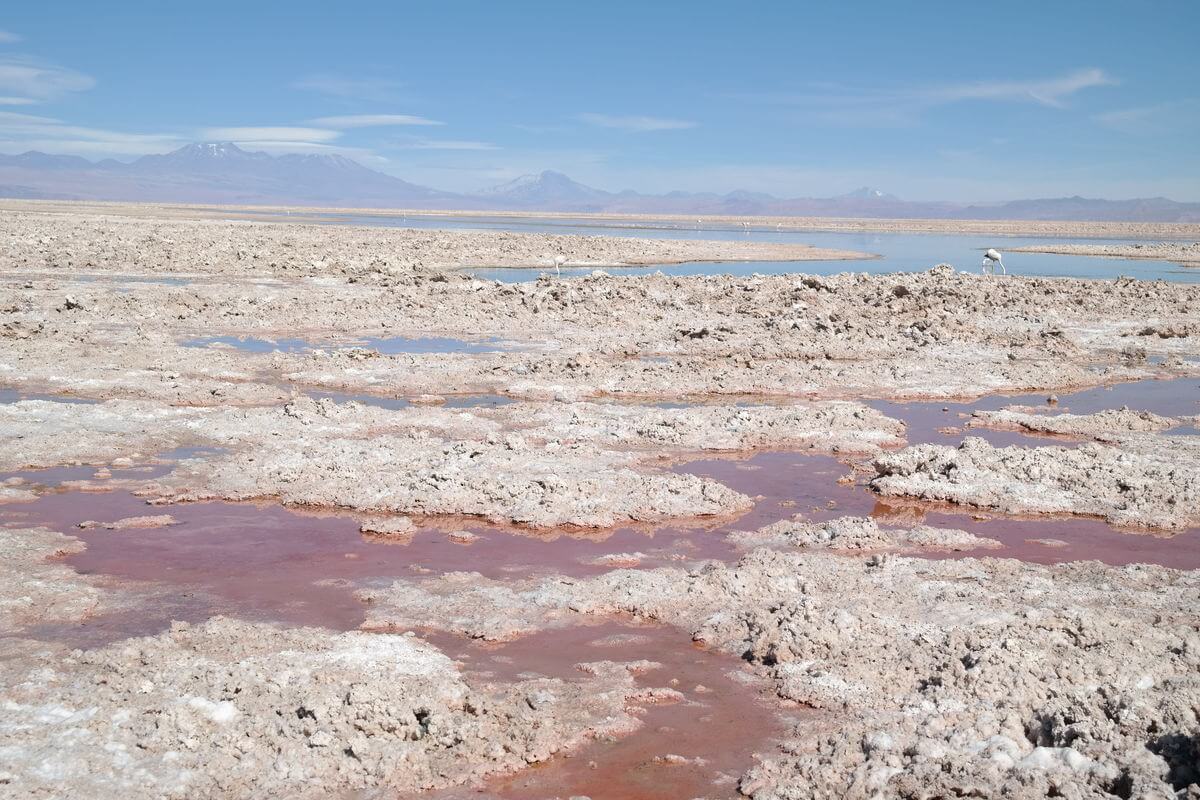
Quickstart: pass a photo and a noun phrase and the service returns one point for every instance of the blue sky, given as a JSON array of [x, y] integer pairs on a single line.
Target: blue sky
[[961, 101]]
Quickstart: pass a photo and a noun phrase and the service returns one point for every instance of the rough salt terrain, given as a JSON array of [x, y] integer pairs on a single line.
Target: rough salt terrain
[[236, 709], [1104, 425], [1150, 481], [538, 520], [970, 677]]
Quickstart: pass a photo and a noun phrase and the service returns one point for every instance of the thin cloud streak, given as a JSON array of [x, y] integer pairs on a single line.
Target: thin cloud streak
[[373, 121], [1051, 92], [8, 37], [837, 104], [29, 80], [636, 124], [378, 90], [270, 134], [448, 144], [30, 132]]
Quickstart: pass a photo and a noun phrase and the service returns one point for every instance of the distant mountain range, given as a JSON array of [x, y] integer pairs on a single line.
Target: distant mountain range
[[222, 172]]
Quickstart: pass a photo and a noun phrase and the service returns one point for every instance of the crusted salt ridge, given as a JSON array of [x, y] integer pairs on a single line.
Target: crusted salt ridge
[[132, 523], [567, 465], [1185, 252], [16, 494], [540, 487], [42, 433], [1106, 425], [39, 590], [857, 534], [232, 708], [1148, 481]]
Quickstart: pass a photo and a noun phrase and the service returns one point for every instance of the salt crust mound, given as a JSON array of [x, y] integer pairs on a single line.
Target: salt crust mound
[[239, 709], [1148, 481]]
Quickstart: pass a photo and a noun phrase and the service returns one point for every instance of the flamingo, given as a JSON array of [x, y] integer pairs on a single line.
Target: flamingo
[[558, 262], [990, 259]]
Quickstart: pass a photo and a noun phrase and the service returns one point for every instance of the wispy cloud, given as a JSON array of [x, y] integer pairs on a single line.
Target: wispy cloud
[[447, 144], [8, 37], [26, 80], [1051, 92], [20, 132], [840, 104], [270, 134], [636, 123], [369, 89], [373, 121]]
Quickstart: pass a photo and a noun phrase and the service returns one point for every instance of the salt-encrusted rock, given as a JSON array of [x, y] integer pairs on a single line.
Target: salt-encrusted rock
[[238, 709], [857, 533], [1148, 481]]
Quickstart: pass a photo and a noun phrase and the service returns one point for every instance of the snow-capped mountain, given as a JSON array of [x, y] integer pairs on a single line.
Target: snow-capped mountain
[[868, 193], [548, 189]]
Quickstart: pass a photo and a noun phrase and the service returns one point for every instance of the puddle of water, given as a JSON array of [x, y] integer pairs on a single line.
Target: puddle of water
[[394, 345], [251, 344], [723, 721], [788, 484], [262, 561], [434, 344], [160, 464], [379, 401], [103, 277], [266, 562], [8, 396], [1176, 397], [477, 400]]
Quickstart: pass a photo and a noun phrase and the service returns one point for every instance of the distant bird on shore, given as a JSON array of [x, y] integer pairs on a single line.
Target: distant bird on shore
[[558, 263], [990, 259]]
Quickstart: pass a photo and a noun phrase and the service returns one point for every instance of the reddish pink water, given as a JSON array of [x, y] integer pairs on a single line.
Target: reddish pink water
[[723, 720], [265, 562], [809, 481], [1179, 397]]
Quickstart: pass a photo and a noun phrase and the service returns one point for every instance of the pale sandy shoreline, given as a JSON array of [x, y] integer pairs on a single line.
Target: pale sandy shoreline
[[298, 214]]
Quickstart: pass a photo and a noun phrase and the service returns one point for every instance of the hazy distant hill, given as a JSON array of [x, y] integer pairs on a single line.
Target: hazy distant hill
[[224, 173], [215, 173]]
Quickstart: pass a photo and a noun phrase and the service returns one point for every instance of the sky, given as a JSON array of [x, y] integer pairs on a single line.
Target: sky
[[931, 100]]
